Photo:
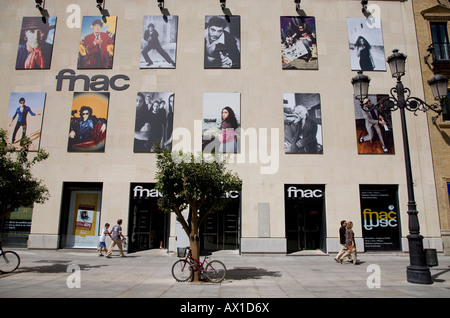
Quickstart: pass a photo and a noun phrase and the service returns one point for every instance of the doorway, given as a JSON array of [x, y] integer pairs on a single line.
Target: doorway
[[148, 224], [80, 215], [221, 230], [304, 217]]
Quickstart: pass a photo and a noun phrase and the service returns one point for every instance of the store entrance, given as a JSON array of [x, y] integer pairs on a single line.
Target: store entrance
[[148, 224], [221, 230], [304, 217], [80, 215]]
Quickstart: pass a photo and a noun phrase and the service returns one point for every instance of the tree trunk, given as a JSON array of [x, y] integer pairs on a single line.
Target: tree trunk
[[195, 241], [195, 252]]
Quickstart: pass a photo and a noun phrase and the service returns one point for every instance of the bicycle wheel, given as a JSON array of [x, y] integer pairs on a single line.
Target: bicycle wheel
[[9, 261], [181, 270], [215, 271]]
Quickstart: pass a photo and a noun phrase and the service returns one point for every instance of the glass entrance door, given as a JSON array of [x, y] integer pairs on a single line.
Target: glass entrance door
[[80, 215], [148, 224], [220, 231], [304, 217]]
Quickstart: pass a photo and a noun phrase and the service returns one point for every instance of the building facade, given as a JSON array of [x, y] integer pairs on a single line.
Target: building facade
[[308, 156], [432, 37]]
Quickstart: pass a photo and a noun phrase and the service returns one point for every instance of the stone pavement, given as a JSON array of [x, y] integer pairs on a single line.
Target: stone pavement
[[147, 274]]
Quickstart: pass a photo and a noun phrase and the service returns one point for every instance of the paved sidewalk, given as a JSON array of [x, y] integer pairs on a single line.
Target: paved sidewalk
[[147, 274]]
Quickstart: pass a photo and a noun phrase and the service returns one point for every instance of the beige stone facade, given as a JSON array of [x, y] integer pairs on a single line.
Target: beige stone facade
[[261, 82], [426, 12]]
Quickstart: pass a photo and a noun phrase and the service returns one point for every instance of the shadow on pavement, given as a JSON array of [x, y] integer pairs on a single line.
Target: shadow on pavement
[[435, 276], [241, 273], [54, 268]]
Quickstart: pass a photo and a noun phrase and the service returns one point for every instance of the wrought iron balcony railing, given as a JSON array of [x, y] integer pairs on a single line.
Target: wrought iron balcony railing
[[440, 51]]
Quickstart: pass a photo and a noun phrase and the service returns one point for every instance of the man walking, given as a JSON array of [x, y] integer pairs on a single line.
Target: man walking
[[116, 235], [342, 230]]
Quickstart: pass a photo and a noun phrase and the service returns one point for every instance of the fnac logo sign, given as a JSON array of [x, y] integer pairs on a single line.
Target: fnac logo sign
[[305, 192], [96, 83]]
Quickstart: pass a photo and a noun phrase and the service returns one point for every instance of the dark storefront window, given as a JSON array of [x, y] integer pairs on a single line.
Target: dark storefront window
[[221, 230], [15, 227]]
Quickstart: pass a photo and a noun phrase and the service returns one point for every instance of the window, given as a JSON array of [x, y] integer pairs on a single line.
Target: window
[[439, 36], [446, 108]]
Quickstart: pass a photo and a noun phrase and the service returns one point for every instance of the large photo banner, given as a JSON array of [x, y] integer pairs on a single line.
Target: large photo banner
[[222, 41], [25, 115], [221, 122], [159, 42], [36, 43], [299, 43], [374, 131], [88, 121], [366, 44], [302, 123], [380, 217], [154, 121], [96, 49]]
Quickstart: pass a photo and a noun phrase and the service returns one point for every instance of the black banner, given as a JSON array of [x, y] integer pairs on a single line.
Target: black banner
[[380, 217]]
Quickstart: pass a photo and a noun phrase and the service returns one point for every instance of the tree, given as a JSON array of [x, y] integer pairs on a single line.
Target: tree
[[18, 187], [194, 182]]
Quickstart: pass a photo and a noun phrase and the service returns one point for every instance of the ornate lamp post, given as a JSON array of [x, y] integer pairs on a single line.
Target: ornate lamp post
[[399, 98]]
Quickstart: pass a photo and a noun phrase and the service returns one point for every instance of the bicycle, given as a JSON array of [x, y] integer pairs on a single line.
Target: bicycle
[[183, 269], [9, 261]]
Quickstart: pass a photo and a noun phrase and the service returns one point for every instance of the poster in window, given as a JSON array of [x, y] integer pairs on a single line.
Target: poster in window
[[302, 123], [96, 49], [374, 132], [88, 122], [25, 114], [154, 121], [299, 43], [365, 37], [84, 216], [159, 42], [221, 122], [36, 43], [380, 217], [222, 44]]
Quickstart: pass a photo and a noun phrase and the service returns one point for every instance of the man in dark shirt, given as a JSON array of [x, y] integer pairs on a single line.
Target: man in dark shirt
[[86, 129], [221, 49], [156, 119], [342, 230]]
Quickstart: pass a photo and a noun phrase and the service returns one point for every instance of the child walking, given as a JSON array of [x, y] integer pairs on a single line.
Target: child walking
[[102, 243]]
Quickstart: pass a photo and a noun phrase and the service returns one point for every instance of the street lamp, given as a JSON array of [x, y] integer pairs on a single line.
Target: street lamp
[[399, 98]]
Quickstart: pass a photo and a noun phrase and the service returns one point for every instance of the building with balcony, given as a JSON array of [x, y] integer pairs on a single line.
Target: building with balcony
[[432, 19]]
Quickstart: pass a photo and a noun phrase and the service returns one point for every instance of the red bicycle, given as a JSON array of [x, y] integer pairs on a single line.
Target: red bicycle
[[183, 269]]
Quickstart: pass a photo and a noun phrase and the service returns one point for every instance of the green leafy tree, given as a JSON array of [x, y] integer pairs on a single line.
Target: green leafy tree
[[18, 187], [194, 182]]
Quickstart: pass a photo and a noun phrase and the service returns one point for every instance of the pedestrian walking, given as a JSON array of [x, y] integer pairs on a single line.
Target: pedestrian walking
[[350, 242], [116, 235], [342, 231], [102, 240]]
